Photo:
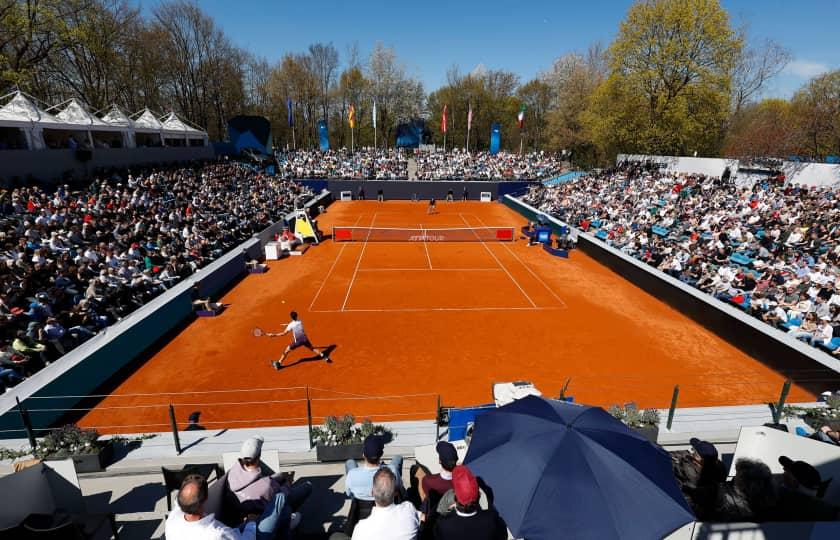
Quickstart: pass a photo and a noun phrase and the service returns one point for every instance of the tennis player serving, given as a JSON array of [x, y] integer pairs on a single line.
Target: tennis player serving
[[299, 339]]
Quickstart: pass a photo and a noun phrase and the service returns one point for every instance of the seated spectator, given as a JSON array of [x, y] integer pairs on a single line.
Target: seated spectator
[[199, 303], [827, 435], [468, 520], [387, 520], [359, 480], [800, 493], [9, 377], [698, 468], [254, 489], [749, 496], [189, 521], [435, 485]]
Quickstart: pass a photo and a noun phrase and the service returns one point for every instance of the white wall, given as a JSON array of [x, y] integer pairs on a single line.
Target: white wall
[[713, 167], [811, 174]]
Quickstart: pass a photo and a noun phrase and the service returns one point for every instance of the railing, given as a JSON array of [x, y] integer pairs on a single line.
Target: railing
[[134, 413]]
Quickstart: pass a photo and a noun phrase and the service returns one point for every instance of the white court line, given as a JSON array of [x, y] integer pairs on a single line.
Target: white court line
[[426, 245], [421, 310], [430, 269], [327, 277], [549, 289], [358, 263], [500, 264]]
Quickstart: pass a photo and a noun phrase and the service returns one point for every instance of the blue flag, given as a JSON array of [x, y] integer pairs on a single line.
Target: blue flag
[[324, 134], [495, 138], [291, 114]]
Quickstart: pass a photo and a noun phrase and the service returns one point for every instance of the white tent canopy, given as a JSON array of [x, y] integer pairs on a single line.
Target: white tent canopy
[[23, 124], [74, 113], [146, 122], [21, 112], [174, 125]]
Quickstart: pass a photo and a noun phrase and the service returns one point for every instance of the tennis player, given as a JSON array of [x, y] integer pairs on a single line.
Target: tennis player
[[432, 206], [299, 339]]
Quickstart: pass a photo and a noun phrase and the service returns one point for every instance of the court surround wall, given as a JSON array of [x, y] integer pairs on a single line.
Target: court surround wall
[[423, 189], [772, 347], [94, 363]]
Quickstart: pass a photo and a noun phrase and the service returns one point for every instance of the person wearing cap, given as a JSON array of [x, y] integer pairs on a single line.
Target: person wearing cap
[[387, 520], [801, 492], [435, 485], [359, 479], [254, 489], [469, 520], [189, 520], [700, 466]]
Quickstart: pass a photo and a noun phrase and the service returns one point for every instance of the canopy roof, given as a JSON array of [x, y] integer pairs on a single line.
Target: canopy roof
[[116, 117], [74, 113], [22, 112], [172, 125], [147, 123]]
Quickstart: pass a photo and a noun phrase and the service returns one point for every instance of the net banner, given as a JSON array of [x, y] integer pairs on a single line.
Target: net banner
[[462, 234]]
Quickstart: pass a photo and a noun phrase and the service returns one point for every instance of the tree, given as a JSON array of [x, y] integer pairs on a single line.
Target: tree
[[766, 128], [754, 68], [670, 79], [398, 97], [573, 78], [31, 31], [816, 109], [324, 62]]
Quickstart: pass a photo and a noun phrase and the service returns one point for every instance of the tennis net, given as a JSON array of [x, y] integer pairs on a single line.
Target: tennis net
[[400, 234]]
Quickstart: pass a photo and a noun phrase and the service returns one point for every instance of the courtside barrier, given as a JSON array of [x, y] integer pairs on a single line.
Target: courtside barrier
[[772, 347], [72, 378], [420, 189]]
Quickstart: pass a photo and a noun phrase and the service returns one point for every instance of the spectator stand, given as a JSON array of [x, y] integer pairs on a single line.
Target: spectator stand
[[768, 344]]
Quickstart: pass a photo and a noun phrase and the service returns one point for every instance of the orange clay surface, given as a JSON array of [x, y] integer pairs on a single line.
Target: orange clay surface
[[410, 321]]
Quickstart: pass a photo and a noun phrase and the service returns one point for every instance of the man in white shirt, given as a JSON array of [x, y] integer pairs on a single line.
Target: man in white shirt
[[299, 339], [387, 521], [188, 521]]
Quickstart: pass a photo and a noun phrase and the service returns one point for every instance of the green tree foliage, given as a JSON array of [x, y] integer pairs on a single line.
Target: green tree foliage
[[765, 128], [669, 84], [816, 108]]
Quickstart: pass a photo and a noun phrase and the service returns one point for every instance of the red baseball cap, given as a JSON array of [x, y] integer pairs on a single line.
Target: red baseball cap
[[465, 485]]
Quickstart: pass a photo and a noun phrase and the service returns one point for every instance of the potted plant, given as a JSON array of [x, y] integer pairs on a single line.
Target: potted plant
[[817, 417], [340, 439], [89, 454], [645, 422]]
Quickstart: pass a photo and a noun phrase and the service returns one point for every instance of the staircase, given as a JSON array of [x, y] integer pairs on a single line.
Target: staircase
[[412, 168]]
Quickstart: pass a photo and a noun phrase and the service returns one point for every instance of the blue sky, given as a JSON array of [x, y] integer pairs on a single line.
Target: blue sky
[[429, 36]]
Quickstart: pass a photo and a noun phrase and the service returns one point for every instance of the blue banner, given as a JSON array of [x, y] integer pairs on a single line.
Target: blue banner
[[324, 134], [495, 138], [290, 112]]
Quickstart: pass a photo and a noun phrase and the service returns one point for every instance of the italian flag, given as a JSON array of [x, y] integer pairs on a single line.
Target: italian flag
[[521, 116]]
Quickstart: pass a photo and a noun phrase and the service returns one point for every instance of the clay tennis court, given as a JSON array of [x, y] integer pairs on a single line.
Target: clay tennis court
[[412, 320]]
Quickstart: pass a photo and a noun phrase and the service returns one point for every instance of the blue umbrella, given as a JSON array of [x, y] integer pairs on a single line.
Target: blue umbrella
[[559, 470]]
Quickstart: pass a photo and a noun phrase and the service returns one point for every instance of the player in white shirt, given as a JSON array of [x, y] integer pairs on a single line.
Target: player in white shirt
[[299, 339]]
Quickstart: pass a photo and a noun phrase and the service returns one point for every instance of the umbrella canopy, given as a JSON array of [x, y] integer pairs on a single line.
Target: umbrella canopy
[[559, 470]]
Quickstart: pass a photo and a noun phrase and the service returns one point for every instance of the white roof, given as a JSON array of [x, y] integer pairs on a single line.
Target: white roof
[[74, 113], [173, 125], [147, 122], [21, 112], [116, 117]]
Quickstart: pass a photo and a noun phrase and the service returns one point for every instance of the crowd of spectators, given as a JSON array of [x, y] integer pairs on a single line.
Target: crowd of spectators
[[461, 165], [771, 249], [362, 164], [753, 494], [370, 164], [74, 262]]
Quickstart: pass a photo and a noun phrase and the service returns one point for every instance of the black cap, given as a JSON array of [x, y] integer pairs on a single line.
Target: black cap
[[374, 447], [704, 449], [447, 453], [805, 473]]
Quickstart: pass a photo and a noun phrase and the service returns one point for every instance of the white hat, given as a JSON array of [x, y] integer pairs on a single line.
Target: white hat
[[251, 448]]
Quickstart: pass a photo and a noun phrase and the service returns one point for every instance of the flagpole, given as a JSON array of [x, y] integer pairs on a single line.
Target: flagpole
[[444, 142], [520, 142]]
